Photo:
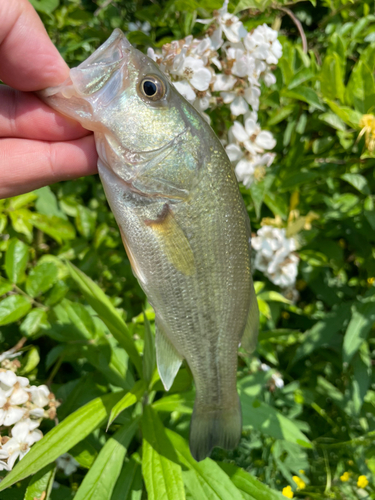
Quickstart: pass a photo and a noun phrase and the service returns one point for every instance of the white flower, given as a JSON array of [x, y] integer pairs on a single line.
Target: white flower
[[263, 44], [39, 395], [67, 464], [251, 169], [277, 380], [138, 26], [275, 255], [12, 395], [252, 137], [230, 24], [9, 354], [185, 90], [7, 381], [241, 99], [224, 82], [264, 367], [24, 435], [193, 70]]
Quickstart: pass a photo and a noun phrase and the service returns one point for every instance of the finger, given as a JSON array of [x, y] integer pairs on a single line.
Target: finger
[[28, 58], [23, 115], [26, 165]]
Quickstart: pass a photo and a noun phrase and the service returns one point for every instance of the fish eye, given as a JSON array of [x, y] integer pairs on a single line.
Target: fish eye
[[152, 87]]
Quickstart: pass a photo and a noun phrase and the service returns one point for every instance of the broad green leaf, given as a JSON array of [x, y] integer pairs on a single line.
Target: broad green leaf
[[46, 203], [129, 484], [252, 4], [41, 278], [59, 229], [331, 78], [5, 286], [84, 453], [21, 222], [305, 94], [30, 361], [34, 321], [327, 389], [358, 181], [160, 467], [22, 200], [61, 438], [348, 115], [40, 485], [45, 6], [360, 91], [128, 400], [333, 120], [272, 296], [100, 481], [107, 313], [183, 403], [205, 480], [149, 356], [260, 416], [360, 381], [16, 259], [302, 76], [249, 485], [358, 329], [85, 221], [13, 308]]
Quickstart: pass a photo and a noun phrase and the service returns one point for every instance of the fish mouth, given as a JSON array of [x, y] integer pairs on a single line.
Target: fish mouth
[[93, 73]]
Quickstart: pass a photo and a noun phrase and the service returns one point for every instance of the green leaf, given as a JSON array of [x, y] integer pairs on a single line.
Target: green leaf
[[302, 76], [34, 321], [84, 453], [5, 286], [22, 200], [21, 222], [248, 484], [107, 313], [100, 481], [61, 438], [183, 403], [305, 94], [30, 361], [45, 6], [59, 229], [260, 416], [331, 78], [160, 467], [129, 484], [252, 4], [40, 485], [85, 221], [16, 259], [360, 381], [272, 296], [41, 278], [360, 91], [46, 203], [205, 480], [358, 329], [13, 308], [149, 356], [357, 181], [347, 115], [128, 400]]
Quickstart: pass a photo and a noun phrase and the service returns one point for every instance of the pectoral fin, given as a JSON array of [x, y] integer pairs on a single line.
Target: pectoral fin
[[167, 358], [173, 241], [250, 334]]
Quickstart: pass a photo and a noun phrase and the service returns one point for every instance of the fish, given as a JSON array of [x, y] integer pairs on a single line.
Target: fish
[[183, 223]]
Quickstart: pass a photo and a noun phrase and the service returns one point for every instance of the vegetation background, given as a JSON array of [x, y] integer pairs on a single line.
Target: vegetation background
[[67, 286]]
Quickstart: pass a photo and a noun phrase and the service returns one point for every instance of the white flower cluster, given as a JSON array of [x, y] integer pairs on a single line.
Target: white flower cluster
[[276, 380], [275, 256], [22, 408], [216, 72], [67, 464]]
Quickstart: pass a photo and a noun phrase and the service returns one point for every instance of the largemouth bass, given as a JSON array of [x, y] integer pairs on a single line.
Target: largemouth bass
[[183, 223]]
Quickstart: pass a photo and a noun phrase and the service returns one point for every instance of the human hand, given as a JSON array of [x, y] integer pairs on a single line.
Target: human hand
[[37, 145]]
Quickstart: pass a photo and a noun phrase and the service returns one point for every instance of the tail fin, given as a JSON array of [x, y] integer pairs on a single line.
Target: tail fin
[[209, 428]]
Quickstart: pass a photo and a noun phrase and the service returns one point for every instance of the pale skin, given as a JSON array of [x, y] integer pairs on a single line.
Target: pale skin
[[37, 145]]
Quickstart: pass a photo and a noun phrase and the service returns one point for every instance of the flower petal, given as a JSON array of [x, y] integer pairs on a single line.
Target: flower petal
[[234, 152], [239, 132], [184, 88], [239, 106], [224, 82], [201, 79]]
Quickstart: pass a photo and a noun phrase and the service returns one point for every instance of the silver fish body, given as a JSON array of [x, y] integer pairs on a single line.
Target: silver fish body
[[183, 222]]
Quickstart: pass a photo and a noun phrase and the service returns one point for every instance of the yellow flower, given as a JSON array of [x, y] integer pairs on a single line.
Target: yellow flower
[[301, 471], [299, 482], [370, 281], [362, 482], [345, 477], [367, 124], [287, 492]]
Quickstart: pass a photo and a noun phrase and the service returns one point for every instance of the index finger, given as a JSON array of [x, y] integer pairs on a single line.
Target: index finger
[[28, 59]]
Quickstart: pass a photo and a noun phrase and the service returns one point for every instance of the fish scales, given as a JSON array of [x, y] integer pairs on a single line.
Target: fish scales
[[183, 222]]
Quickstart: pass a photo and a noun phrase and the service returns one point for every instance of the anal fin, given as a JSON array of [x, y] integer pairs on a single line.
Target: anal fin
[[167, 358], [250, 334]]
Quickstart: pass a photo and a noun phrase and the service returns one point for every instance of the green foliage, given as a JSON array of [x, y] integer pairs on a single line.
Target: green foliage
[[66, 286]]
